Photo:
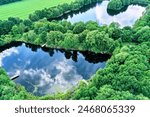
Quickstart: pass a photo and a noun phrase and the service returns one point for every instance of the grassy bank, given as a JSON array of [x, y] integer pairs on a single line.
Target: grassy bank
[[23, 8]]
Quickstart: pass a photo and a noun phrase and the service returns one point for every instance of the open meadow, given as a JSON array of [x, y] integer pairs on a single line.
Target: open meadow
[[23, 8]]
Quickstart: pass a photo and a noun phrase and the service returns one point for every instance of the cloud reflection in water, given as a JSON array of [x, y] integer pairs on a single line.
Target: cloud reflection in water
[[126, 18], [99, 14], [7, 53], [43, 74], [45, 83]]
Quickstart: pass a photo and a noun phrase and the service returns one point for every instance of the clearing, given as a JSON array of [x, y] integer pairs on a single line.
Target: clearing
[[23, 8]]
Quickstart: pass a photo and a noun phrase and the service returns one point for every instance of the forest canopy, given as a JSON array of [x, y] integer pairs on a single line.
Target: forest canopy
[[119, 4], [127, 73]]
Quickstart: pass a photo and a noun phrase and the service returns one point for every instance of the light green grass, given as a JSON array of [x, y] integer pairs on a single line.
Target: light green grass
[[23, 8]]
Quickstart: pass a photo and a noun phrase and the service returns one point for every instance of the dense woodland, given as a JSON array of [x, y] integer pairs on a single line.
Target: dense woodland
[[119, 4], [7, 1], [127, 73], [60, 10]]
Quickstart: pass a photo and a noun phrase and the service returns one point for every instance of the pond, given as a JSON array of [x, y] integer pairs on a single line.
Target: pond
[[45, 71], [99, 13]]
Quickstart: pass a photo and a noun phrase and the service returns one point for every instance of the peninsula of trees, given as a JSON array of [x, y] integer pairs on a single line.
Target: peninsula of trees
[[119, 4], [127, 73]]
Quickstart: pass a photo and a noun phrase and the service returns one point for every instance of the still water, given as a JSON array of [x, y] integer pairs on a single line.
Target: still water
[[45, 71], [99, 13]]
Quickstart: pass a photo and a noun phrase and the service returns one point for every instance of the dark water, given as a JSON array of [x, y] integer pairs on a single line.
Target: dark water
[[45, 71], [99, 13]]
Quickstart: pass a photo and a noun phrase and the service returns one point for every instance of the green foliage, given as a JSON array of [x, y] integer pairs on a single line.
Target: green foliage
[[60, 10], [127, 73], [143, 34], [124, 77], [30, 36], [7, 1], [63, 34], [99, 41], [6, 25], [9, 90], [54, 37], [127, 34], [70, 41], [107, 92], [59, 96], [119, 4], [115, 5], [144, 20], [91, 25], [79, 27], [23, 8], [18, 29]]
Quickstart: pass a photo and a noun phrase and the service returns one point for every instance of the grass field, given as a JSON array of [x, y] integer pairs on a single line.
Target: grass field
[[23, 8]]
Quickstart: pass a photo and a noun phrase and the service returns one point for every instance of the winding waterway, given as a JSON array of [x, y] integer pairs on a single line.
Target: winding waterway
[[45, 71], [100, 14]]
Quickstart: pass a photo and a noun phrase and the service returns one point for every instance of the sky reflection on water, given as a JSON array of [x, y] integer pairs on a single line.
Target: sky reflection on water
[[42, 74], [99, 14]]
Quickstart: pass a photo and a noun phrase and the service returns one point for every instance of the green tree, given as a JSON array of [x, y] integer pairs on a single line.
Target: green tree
[[54, 38], [91, 25], [71, 41], [99, 41], [115, 5], [78, 27], [142, 35], [18, 29]]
